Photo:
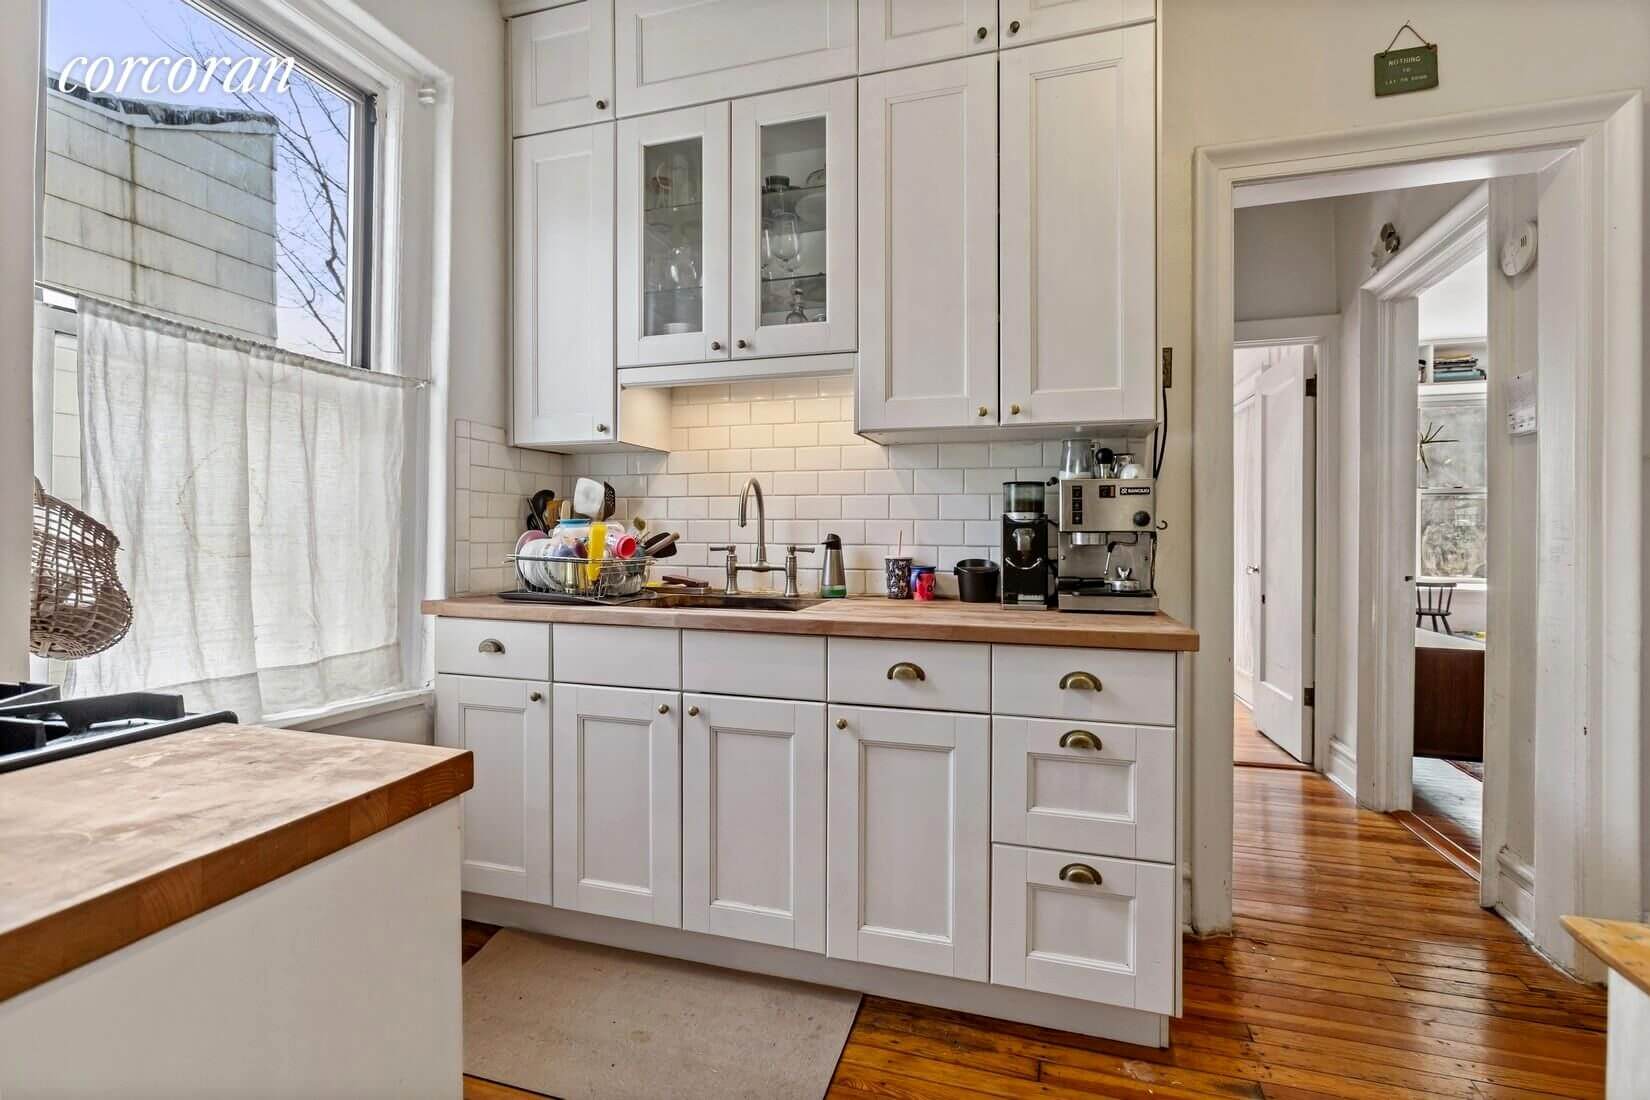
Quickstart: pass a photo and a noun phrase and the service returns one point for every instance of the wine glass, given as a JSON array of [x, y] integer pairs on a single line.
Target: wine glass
[[782, 239]]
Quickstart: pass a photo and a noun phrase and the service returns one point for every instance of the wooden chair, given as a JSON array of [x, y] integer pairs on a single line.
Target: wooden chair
[[1432, 601]]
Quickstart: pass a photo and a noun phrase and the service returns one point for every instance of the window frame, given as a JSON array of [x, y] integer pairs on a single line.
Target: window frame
[[1453, 393]]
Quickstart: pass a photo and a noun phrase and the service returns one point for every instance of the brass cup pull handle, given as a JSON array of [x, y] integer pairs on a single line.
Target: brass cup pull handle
[[1079, 681], [693, 712], [905, 670], [1080, 874], [490, 645], [1079, 739]]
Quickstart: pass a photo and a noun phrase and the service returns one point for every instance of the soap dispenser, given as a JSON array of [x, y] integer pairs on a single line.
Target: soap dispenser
[[833, 582]]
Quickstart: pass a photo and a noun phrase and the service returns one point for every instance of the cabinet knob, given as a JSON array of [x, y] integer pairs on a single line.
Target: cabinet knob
[[535, 696], [905, 670], [1080, 874], [741, 343], [1014, 27], [716, 345], [1014, 410], [601, 104], [490, 645], [1079, 681], [1079, 739], [980, 33], [664, 708], [842, 723], [693, 712], [601, 429], [983, 411]]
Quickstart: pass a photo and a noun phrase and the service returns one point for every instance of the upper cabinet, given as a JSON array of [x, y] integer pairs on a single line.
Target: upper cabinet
[[897, 33], [672, 53], [928, 246], [1079, 230], [793, 266], [561, 67], [1028, 21]]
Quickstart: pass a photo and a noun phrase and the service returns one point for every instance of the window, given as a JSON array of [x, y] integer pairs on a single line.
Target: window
[[1451, 525], [197, 169]]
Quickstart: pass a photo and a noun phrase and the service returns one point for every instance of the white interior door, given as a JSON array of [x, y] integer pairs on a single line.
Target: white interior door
[[1283, 670], [1246, 483]]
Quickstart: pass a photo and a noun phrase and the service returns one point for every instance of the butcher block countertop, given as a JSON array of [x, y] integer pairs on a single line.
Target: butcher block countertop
[[99, 851], [1623, 946], [861, 617]]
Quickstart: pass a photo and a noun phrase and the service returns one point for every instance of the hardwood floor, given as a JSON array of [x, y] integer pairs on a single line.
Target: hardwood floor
[[1252, 748], [1448, 811], [1361, 968]]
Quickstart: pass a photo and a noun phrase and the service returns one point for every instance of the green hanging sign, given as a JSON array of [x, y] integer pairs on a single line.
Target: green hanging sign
[[1411, 69]]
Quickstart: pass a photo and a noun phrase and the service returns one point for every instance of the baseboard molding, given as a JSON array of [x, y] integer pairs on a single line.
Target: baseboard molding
[[1343, 768], [1515, 887], [1126, 1025]]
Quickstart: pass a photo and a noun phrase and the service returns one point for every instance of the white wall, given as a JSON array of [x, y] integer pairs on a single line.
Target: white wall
[[1457, 307], [19, 85], [1285, 260]]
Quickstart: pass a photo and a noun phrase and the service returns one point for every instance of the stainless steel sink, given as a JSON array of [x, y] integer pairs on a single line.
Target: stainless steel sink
[[743, 602]]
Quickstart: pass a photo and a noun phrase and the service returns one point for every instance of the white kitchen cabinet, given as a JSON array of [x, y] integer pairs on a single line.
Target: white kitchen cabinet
[[562, 349], [561, 67], [928, 246], [672, 53], [1028, 21], [1080, 926], [1079, 230], [673, 237], [894, 34], [793, 230], [617, 816], [753, 820], [506, 726], [908, 852]]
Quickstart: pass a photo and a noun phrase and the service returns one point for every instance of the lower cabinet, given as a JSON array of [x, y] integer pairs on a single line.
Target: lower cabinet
[[908, 851], [506, 726], [617, 769], [753, 820], [1081, 926]]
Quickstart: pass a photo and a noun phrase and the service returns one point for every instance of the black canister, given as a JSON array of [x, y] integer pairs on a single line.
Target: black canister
[[977, 580]]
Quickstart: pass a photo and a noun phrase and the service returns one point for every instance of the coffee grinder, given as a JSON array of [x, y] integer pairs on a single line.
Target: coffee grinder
[[1028, 566]]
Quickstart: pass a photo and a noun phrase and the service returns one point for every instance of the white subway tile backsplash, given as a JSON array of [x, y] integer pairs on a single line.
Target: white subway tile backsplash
[[938, 502]]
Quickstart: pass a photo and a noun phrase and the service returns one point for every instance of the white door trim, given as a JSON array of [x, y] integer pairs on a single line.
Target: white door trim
[[1387, 316], [1604, 826], [1324, 332]]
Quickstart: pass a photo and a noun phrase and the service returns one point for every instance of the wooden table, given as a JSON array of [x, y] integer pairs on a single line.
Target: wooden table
[[1624, 947]]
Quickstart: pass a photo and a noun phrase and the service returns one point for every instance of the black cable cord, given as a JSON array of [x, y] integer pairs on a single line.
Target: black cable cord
[[1160, 444]]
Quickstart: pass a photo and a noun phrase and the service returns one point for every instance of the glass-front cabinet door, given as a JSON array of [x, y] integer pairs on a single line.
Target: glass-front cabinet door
[[794, 226], [673, 237]]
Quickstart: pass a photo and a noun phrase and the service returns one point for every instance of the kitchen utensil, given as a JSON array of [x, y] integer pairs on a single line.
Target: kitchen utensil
[[625, 546], [782, 239], [833, 581], [897, 576], [977, 580], [540, 503], [597, 549], [595, 499], [661, 545], [684, 582], [564, 510], [922, 582], [1105, 463], [1076, 458]]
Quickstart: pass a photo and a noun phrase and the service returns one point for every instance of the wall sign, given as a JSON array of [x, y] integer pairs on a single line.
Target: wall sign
[[1411, 69]]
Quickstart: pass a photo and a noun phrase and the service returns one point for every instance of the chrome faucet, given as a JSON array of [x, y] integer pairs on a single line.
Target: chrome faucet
[[761, 564]]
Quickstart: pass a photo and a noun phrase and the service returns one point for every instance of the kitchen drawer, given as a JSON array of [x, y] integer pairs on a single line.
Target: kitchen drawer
[[1049, 682], [1081, 926], [921, 675], [488, 647], [772, 666], [618, 656], [1083, 786]]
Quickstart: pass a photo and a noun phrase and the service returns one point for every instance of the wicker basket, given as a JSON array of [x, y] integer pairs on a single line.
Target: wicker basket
[[78, 606]]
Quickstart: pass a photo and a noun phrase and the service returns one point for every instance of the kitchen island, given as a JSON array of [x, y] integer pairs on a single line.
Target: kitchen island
[[962, 805], [232, 910]]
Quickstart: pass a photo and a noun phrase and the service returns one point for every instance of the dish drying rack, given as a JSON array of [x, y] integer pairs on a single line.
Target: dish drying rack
[[579, 580]]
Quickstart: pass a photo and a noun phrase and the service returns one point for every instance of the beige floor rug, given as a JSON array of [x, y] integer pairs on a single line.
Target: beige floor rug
[[585, 1022]]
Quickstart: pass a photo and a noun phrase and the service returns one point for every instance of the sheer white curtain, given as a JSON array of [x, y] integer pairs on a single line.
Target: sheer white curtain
[[258, 500]]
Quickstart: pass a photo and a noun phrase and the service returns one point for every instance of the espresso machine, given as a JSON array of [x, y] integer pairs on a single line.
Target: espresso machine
[[1107, 542], [1028, 563]]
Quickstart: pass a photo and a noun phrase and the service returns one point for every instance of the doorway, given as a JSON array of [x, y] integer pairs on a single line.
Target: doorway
[[1274, 512]]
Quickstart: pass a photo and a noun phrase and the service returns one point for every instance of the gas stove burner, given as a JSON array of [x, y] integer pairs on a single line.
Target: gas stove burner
[[44, 730]]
